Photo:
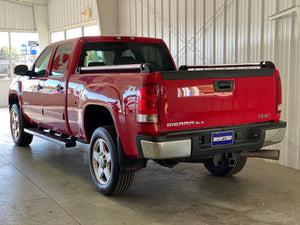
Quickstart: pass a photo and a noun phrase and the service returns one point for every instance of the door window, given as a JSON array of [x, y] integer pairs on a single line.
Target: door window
[[40, 67], [61, 59]]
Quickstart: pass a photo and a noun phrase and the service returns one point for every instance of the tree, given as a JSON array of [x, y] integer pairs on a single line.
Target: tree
[[4, 53]]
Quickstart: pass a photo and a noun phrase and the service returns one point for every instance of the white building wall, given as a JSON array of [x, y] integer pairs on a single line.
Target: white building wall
[[65, 14], [4, 86], [16, 17], [227, 31]]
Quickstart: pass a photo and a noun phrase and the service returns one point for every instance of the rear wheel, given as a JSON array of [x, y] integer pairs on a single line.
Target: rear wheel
[[104, 165], [225, 164], [17, 123]]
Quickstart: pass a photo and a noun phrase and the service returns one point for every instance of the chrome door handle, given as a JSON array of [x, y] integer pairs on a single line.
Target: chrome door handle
[[59, 87], [39, 87]]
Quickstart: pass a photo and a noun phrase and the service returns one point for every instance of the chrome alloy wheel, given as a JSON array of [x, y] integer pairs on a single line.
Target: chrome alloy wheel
[[15, 124], [102, 165]]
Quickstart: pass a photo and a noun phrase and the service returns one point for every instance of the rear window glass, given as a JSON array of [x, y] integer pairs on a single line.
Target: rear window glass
[[102, 54]]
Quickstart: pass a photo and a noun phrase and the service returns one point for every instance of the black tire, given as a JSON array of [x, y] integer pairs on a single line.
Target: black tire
[[104, 165], [225, 170], [17, 123]]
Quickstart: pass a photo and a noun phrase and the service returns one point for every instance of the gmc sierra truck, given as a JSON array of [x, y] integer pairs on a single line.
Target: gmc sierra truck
[[125, 97]]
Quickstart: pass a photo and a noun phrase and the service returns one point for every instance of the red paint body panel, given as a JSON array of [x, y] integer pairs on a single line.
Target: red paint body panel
[[194, 104], [184, 104], [112, 92]]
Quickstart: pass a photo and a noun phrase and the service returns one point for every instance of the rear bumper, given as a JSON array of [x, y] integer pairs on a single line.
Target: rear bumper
[[197, 144], [273, 136]]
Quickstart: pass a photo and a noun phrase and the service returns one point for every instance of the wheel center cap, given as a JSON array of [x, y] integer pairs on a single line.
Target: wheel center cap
[[102, 162]]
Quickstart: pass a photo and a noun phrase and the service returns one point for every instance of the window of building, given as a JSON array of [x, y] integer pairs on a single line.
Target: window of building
[[17, 48], [25, 48], [91, 31], [4, 56], [74, 33], [57, 36]]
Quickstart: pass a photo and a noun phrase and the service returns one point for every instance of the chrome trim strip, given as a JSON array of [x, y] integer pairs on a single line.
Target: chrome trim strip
[[114, 67], [167, 150], [274, 136], [224, 65]]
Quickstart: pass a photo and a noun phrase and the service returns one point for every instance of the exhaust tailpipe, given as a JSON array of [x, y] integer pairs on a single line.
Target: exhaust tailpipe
[[264, 154]]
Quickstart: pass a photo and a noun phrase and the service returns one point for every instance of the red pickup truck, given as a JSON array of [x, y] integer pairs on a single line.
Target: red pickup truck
[[125, 97]]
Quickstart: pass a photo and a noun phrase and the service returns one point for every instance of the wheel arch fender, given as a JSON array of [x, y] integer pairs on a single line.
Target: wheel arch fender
[[96, 115], [13, 98], [15, 94], [126, 163]]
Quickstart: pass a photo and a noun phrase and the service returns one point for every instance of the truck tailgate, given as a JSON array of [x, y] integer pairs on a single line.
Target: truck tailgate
[[214, 98]]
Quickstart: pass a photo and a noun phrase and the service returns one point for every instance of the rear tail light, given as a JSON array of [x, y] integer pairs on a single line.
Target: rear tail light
[[278, 92], [148, 104]]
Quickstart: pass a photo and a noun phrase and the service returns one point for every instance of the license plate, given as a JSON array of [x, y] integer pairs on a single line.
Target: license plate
[[222, 138]]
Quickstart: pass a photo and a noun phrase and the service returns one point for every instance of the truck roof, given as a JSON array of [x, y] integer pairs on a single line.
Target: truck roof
[[122, 38], [92, 39]]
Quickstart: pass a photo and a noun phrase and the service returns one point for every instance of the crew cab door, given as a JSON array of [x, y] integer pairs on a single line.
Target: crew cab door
[[32, 87], [54, 91]]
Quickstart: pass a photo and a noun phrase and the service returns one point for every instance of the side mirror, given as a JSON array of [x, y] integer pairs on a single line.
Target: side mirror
[[21, 70]]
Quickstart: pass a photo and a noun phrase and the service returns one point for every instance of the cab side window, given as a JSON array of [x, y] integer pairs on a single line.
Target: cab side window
[[61, 59], [40, 67]]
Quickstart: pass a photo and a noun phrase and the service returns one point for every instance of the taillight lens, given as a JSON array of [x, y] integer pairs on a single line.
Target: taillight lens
[[278, 93], [148, 104]]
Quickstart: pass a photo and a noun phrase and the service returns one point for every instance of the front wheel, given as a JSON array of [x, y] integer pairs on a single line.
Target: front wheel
[[224, 166], [104, 165], [17, 121]]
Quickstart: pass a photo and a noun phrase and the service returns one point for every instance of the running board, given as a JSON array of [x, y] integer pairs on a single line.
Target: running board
[[49, 136]]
